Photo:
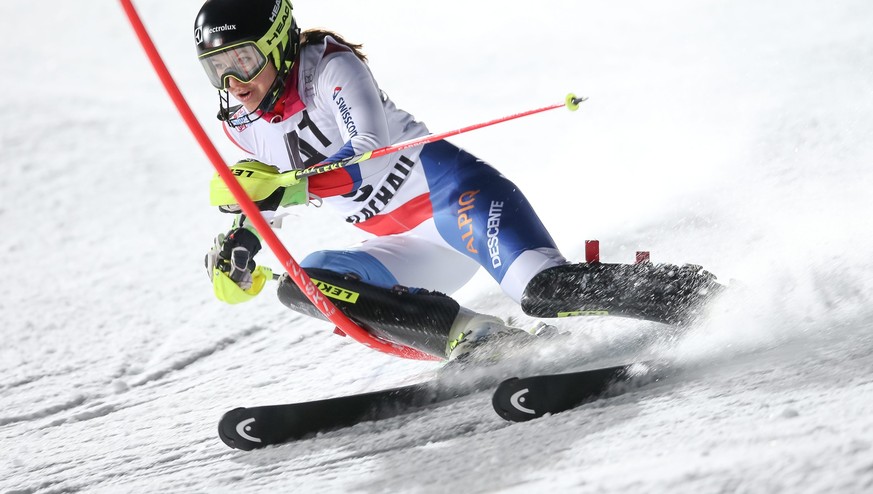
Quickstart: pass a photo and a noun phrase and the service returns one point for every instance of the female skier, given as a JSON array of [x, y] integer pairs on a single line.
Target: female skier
[[435, 213]]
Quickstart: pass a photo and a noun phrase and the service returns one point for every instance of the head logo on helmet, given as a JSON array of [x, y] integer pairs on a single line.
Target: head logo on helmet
[[266, 28], [275, 10], [280, 28]]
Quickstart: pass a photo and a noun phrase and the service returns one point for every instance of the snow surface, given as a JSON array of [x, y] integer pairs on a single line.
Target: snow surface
[[731, 134]]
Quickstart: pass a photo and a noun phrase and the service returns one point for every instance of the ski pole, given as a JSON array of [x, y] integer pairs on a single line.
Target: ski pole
[[571, 102], [251, 210], [273, 181]]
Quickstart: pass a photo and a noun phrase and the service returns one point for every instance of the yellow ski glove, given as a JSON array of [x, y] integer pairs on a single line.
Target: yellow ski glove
[[263, 183], [231, 267]]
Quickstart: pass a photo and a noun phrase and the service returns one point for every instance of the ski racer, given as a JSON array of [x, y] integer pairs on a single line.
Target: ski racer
[[434, 214]]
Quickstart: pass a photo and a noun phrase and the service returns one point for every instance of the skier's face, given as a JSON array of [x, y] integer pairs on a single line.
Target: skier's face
[[251, 93]]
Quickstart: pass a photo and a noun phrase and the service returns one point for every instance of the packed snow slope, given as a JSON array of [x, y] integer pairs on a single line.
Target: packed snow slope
[[731, 134]]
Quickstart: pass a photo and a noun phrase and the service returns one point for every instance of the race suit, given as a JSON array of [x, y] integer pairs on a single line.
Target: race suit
[[433, 214]]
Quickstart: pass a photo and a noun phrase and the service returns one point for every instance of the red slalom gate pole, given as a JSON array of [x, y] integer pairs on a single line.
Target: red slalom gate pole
[[249, 208]]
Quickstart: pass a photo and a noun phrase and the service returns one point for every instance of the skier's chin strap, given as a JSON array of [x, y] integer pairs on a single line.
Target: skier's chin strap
[[281, 101]]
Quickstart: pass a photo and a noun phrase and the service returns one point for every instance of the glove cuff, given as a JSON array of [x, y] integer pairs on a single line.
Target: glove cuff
[[227, 291], [296, 194]]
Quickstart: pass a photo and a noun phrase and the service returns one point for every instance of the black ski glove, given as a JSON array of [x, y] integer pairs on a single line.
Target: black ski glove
[[234, 254]]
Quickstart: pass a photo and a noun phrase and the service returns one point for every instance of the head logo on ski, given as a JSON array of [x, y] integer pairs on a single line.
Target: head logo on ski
[[517, 399], [244, 427]]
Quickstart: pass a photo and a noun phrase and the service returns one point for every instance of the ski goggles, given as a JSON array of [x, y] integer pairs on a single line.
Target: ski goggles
[[243, 62]]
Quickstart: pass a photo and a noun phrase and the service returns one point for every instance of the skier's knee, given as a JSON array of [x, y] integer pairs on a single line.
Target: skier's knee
[[526, 267], [357, 264]]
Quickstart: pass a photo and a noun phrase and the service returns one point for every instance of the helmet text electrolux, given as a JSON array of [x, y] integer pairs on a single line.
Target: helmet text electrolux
[[218, 29]]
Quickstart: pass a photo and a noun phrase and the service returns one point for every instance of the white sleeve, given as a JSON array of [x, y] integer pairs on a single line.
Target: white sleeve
[[348, 89]]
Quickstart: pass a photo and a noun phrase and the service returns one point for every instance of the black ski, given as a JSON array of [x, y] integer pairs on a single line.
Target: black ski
[[515, 399], [249, 428], [256, 427], [522, 399]]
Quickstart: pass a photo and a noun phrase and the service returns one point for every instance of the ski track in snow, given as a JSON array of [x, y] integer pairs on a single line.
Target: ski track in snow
[[734, 135]]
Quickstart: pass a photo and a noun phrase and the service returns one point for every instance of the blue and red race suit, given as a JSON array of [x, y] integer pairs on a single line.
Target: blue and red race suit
[[433, 214]]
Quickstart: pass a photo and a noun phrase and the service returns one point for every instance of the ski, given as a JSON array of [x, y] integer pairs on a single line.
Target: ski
[[249, 428], [522, 399], [515, 399]]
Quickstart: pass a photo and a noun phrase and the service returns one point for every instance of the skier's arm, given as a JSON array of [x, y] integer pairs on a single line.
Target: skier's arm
[[347, 89], [230, 263]]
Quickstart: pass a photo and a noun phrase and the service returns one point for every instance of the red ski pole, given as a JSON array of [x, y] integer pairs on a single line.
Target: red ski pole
[[571, 102]]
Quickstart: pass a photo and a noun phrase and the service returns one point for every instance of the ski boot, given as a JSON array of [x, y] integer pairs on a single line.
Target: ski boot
[[482, 338]]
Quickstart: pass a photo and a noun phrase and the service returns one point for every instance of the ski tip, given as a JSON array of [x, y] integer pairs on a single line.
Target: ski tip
[[510, 401], [236, 429], [572, 102]]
